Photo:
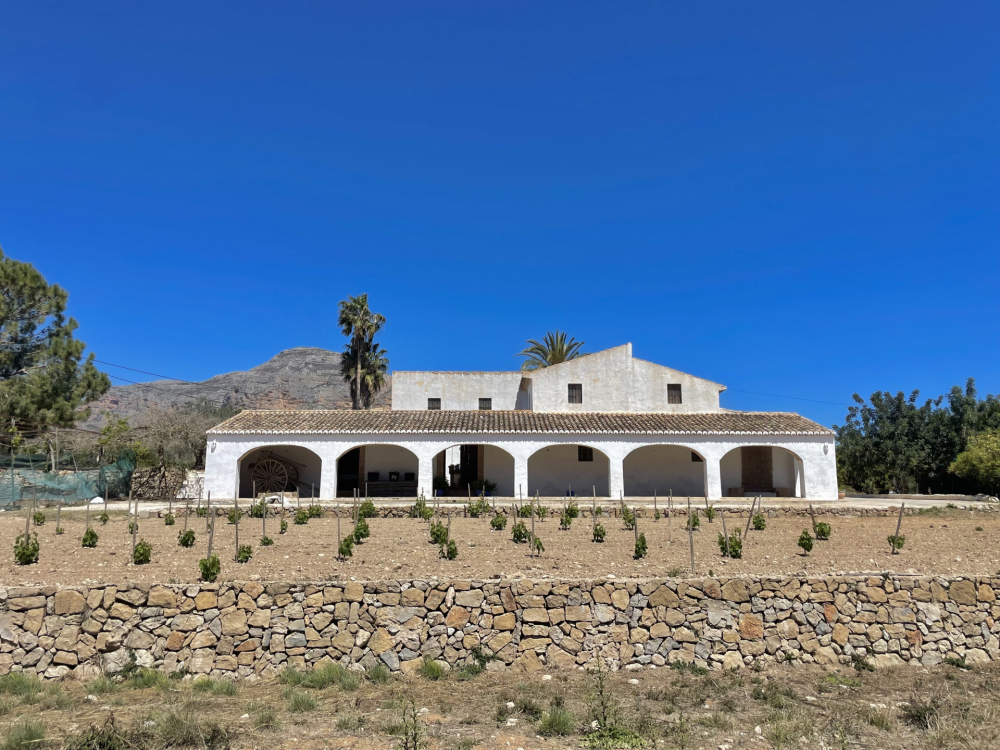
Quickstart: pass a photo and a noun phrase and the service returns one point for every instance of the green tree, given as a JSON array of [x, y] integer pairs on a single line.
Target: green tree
[[44, 379], [551, 350], [980, 461], [373, 371], [360, 325]]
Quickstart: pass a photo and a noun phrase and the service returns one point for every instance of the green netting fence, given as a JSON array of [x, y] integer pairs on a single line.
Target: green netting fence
[[20, 483]]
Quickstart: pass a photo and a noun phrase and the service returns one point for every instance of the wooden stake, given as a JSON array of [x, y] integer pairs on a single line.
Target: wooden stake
[[187, 512], [447, 537], [211, 527], [338, 529], [899, 523], [812, 516], [59, 508], [208, 512], [170, 506], [656, 512], [670, 517], [27, 514], [691, 535], [635, 523], [135, 529], [532, 527], [236, 509], [87, 519], [749, 518], [725, 547]]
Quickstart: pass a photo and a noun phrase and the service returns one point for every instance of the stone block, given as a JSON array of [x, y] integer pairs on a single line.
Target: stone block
[[69, 602]]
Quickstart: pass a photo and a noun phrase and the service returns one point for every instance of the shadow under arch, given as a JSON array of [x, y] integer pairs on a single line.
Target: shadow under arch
[[378, 470], [664, 468], [280, 468], [762, 470], [560, 468]]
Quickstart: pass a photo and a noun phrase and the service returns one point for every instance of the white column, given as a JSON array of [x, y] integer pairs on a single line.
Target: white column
[[521, 476], [713, 476], [328, 475], [425, 474], [616, 477]]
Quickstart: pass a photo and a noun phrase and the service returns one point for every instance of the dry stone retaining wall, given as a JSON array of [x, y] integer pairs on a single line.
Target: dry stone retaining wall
[[251, 629]]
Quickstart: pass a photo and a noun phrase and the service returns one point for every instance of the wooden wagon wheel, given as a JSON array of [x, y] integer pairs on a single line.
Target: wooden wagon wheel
[[269, 475]]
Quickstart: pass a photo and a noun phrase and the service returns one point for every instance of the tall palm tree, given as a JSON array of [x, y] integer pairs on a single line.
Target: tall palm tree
[[374, 367], [360, 325], [553, 349]]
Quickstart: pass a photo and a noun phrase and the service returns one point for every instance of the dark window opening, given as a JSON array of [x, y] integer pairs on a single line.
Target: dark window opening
[[695, 458], [485, 404], [583, 453], [674, 393], [576, 393], [434, 404]]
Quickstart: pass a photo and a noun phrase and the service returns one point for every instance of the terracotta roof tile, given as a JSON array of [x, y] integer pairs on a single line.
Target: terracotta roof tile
[[498, 422]]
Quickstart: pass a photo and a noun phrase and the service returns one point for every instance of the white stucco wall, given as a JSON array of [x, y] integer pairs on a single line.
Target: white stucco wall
[[819, 467], [614, 381], [555, 469], [663, 468], [731, 467], [386, 458], [457, 390], [498, 466]]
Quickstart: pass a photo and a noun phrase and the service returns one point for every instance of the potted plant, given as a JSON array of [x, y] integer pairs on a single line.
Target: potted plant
[[393, 476], [373, 476]]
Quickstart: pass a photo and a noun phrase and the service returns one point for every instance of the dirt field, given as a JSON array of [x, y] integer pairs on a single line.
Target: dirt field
[[937, 542], [782, 707]]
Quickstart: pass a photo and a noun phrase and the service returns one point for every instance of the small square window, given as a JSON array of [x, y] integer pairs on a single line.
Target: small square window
[[674, 393], [434, 404], [485, 404], [583, 453], [696, 459], [576, 393]]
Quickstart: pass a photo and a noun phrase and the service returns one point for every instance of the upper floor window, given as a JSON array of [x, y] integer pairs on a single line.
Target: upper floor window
[[674, 393], [583, 453], [434, 404], [576, 393], [485, 404]]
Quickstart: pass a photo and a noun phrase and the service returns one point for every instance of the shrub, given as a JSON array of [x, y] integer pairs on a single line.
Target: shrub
[[656, 515], [143, 553], [481, 487], [301, 517], [201, 512], [169, 520], [539, 547], [186, 538], [258, 509], [478, 508], [361, 530], [283, 527], [379, 674], [420, 510], [710, 513], [896, 542], [431, 669], [628, 517], [26, 735], [105, 518], [346, 548], [565, 521], [367, 510], [519, 533], [439, 533], [573, 510], [231, 515], [266, 541], [26, 549], [60, 530], [38, 519], [640, 547], [694, 521], [132, 526], [299, 702], [542, 512], [599, 532], [209, 567], [806, 541], [759, 522], [107, 737], [244, 553], [498, 522], [89, 538], [733, 547], [315, 511], [822, 530], [449, 551], [558, 722], [524, 511]]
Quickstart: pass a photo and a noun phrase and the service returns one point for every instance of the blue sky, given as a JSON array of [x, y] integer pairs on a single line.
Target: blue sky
[[797, 199]]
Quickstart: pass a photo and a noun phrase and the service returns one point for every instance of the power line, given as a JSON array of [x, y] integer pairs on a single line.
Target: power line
[[793, 398]]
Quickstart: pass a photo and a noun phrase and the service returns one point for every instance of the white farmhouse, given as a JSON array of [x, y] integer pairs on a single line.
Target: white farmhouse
[[606, 424]]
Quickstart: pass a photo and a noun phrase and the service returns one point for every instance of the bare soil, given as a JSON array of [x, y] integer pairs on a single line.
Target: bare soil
[[938, 542], [781, 707]]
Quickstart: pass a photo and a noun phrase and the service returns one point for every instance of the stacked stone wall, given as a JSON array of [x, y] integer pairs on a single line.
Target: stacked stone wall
[[255, 629]]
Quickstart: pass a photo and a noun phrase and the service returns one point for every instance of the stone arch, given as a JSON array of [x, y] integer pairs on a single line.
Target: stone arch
[[663, 468], [762, 470], [477, 462], [558, 468], [378, 470], [302, 468]]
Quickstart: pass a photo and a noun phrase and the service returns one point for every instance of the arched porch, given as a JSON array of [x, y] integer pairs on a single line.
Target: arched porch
[[762, 470]]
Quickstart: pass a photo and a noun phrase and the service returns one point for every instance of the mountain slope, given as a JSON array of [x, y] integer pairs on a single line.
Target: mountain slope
[[301, 378]]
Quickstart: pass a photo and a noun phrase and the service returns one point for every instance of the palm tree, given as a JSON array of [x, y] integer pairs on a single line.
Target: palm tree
[[374, 366], [553, 349], [360, 325]]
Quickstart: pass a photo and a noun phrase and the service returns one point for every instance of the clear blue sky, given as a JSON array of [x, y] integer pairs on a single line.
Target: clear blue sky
[[799, 199]]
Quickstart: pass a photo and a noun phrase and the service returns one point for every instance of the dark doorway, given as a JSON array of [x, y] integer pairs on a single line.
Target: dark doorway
[[469, 465], [758, 468], [349, 471]]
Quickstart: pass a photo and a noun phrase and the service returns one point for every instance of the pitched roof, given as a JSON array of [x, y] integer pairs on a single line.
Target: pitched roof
[[498, 422]]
